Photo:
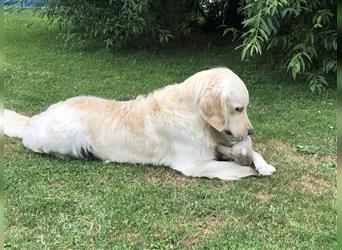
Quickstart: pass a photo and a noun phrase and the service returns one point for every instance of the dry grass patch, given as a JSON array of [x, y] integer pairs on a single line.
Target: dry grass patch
[[264, 196], [17, 228], [240, 222], [155, 176], [275, 148], [11, 145], [312, 184], [209, 224], [104, 179]]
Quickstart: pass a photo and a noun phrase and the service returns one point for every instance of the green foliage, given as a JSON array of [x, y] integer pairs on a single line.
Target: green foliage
[[307, 149], [301, 34], [103, 21], [117, 23], [328, 165], [136, 23]]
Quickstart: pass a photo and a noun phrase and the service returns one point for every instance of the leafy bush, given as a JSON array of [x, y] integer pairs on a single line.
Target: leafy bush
[[118, 23], [301, 34]]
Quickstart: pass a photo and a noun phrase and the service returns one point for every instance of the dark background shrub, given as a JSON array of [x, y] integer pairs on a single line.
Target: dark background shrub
[[298, 35]]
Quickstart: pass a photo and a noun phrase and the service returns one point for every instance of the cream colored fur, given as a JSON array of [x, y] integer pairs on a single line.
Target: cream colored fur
[[178, 126]]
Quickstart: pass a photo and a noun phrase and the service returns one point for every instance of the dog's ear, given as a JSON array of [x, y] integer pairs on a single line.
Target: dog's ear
[[213, 109]]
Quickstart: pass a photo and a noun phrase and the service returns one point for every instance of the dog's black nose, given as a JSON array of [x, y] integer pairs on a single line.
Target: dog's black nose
[[250, 131]]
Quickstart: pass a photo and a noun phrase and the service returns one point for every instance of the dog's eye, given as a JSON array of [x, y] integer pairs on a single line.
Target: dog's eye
[[239, 109]]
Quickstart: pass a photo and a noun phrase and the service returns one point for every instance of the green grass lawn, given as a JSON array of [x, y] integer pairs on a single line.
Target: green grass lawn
[[75, 204]]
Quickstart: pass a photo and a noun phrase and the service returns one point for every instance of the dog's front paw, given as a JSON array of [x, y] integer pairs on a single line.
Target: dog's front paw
[[265, 169]]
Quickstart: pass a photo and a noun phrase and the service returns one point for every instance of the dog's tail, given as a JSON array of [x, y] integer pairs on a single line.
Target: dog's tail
[[15, 124]]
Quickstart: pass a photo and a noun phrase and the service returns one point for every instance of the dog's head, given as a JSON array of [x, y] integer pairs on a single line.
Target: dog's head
[[223, 103]]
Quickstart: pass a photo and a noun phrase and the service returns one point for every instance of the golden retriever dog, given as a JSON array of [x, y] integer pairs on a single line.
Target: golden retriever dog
[[178, 126]]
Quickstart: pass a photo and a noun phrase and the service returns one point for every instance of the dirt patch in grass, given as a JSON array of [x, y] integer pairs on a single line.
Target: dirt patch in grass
[[312, 184], [155, 176], [260, 109], [240, 222], [104, 179], [209, 224], [263, 196], [17, 228], [182, 180], [276, 149], [11, 145]]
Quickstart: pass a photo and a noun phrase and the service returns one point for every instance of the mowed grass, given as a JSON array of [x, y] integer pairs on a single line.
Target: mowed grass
[[55, 204]]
